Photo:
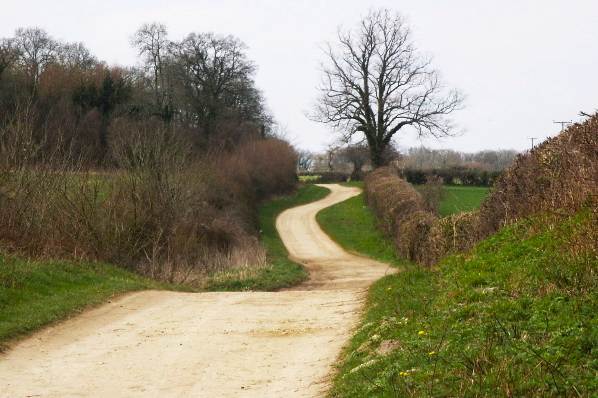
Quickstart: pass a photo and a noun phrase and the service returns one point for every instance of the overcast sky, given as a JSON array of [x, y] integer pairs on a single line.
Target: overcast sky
[[521, 64]]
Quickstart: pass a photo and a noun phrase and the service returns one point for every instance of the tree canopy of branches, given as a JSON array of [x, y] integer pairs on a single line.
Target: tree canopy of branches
[[376, 84], [202, 85], [216, 78], [152, 44]]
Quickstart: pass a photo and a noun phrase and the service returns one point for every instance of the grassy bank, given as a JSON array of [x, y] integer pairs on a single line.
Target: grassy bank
[[36, 293], [280, 272], [515, 317], [353, 226]]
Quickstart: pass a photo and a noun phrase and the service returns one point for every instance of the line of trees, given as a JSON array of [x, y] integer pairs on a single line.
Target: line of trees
[[422, 158], [203, 84]]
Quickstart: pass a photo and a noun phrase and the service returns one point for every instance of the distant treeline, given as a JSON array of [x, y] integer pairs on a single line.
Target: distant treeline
[[452, 176], [455, 168], [435, 159], [417, 165]]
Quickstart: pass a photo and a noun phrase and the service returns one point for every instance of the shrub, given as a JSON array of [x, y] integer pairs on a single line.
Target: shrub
[[432, 192], [559, 175], [161, 211]]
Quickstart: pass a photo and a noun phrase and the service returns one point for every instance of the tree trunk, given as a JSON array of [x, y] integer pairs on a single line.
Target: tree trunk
[[377, 154]]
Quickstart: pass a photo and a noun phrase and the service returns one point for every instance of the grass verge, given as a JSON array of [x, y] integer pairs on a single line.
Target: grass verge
[[352, 225], [35, 293], [280, 272], [514, 317]]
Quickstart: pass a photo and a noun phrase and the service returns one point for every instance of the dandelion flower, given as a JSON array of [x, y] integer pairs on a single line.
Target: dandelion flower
[[422, 333], [432, 353]]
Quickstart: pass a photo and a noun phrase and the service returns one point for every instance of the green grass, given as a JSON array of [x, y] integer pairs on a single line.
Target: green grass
[[514, 317], [353, 226], [281, 271], [458, 199], [36, 293]]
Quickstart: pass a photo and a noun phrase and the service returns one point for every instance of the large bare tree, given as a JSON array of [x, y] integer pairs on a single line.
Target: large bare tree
[[36, 51], [376, 84], [151, 41]]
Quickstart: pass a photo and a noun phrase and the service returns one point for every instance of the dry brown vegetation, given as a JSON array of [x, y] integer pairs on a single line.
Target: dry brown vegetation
[[559, 177], [158, 168], [164, 211]]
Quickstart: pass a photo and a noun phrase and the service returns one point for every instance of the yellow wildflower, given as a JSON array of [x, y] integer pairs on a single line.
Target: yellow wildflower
[[422, 333]]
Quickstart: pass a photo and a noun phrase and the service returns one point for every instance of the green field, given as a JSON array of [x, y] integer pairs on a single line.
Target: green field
[[457, 199], [515, 317]]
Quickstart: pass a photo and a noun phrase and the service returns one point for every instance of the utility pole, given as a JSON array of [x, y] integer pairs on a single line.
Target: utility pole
[[563, 124], [532, 139]]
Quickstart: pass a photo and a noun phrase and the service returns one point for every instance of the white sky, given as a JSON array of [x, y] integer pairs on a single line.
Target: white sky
[[522, 64]]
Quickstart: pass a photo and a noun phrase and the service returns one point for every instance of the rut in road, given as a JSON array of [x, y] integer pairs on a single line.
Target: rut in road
[[249, 344]]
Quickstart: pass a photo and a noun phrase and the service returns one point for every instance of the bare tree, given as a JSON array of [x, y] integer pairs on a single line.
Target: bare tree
[[216, 77], [151, 41], [331, 152], [76, 55], [376, 84], [36, 50]]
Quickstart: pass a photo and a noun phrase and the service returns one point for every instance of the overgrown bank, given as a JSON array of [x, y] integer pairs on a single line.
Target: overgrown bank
[[560, 176], [164, 213], [514, 317]]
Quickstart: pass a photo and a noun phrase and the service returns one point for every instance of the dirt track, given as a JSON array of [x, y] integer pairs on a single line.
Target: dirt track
[[248, 344]]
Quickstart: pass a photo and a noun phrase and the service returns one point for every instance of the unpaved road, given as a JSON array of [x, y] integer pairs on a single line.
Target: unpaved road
[[247, 344]]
